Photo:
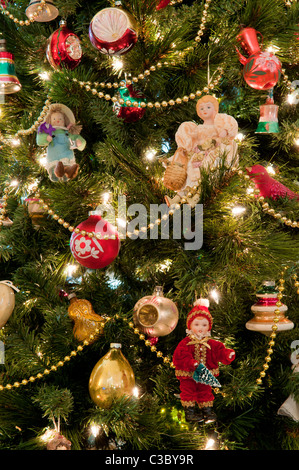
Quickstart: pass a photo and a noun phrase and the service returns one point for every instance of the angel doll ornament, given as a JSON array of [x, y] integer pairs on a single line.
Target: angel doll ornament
[[205, 146], [60, 134]]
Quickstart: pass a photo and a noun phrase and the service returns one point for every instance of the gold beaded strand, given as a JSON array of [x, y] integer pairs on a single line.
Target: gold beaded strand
[[157, 104], [273, 328], [98, 235], [34, 127], [159, 65], [4, 204], [80, 348]]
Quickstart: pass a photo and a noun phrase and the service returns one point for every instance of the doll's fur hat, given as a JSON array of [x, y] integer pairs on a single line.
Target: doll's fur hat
[[200, 309]]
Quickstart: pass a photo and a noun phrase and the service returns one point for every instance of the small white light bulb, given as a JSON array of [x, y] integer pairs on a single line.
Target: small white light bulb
[[238, 210]]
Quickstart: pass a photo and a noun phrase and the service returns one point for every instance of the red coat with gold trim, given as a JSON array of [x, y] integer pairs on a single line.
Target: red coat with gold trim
[[191, 351]]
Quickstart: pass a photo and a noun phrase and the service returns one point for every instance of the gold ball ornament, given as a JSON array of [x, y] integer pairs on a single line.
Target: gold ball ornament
[[7, 301], [112, 377], [155, 315]]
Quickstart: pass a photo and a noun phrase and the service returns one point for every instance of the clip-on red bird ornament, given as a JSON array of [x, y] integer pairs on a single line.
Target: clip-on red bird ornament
[[268, 186]]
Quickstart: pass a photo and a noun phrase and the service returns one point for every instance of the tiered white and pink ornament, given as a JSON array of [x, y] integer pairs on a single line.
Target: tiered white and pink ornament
[[264, 311]]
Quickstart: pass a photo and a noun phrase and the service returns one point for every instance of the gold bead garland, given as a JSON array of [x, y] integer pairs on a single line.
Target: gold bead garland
[[296, 283], [35, 125], [98, 235], [153, 348], [203, 21], [274, 329], [72, 229], [152, 68], [4, 204], [143, 104], [266, 207], [80, 348], [28, 21], [288, 83]]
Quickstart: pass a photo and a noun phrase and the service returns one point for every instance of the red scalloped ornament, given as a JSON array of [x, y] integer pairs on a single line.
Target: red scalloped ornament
[[64, 48], [112, 31]]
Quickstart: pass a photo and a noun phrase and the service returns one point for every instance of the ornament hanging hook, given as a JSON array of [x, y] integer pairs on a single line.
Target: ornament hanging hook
[[208, 69]]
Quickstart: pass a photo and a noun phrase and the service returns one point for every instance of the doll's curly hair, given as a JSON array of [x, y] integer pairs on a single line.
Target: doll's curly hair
[[74, 128]]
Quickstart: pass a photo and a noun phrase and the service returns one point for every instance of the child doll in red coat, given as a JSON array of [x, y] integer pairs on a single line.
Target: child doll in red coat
[[198, 349]]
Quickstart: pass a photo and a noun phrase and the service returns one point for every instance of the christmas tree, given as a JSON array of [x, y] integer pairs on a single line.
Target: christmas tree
[[103, 250]]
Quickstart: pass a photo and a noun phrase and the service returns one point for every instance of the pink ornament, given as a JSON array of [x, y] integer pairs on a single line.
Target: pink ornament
[[262, 70], [112, 31], [95, 252]]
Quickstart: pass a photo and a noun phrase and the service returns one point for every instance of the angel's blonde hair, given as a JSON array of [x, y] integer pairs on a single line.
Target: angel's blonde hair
[[208, 99]]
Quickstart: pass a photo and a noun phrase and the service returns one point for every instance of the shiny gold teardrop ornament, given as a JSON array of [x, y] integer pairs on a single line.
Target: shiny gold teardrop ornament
[[112, 377]]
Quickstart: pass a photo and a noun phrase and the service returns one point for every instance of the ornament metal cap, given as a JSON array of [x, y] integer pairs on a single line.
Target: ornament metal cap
[[269, 283], [48, 13], [158, 291], [71, 296], [115, 345]]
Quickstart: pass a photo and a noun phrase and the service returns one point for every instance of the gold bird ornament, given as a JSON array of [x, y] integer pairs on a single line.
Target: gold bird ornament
[[86, 321]]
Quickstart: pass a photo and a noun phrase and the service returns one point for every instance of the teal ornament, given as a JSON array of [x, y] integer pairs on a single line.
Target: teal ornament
[[204, 376], [127, 111], [9, 82]]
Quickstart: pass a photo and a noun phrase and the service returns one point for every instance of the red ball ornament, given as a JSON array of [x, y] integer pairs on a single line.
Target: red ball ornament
[[112, 31], [64, 48], [262, 69], [162, 4], [126, 112], [95, 252]]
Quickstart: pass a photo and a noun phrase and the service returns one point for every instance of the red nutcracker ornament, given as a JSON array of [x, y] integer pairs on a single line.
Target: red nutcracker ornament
[[112, 31], [64, 48], [95, 252], [262, 69]]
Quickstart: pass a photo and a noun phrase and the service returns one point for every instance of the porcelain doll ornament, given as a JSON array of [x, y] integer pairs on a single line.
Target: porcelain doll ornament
[[206, 144], [61, 135], [196, 360]]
